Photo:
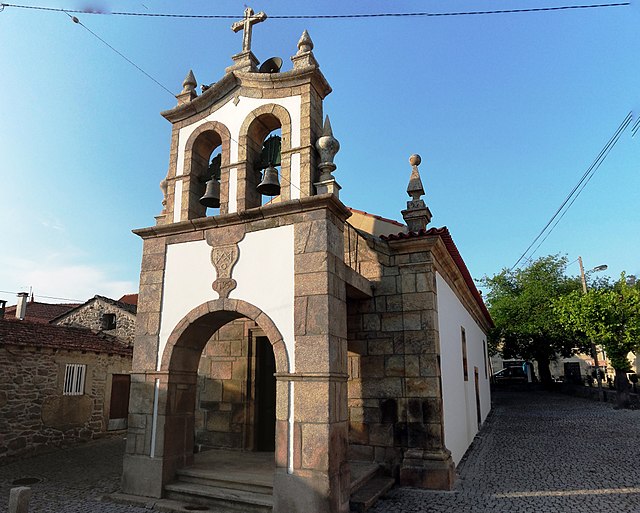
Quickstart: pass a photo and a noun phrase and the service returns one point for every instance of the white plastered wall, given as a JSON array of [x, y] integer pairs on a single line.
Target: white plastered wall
[[458, 395], [232, 114], [264, 274]]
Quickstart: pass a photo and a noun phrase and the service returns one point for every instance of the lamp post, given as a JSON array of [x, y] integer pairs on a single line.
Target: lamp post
[[594, 350]]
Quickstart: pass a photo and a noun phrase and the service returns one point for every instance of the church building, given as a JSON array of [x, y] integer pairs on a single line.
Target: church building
[[292, 354]]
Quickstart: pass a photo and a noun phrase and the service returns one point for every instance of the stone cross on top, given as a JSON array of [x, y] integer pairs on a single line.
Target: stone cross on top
[[246, 24]]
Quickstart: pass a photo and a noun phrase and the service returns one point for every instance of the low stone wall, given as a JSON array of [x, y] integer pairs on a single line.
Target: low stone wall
[[35, 415], [592, 393]]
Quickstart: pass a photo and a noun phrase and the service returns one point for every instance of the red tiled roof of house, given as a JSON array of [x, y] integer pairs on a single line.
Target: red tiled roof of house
[[40, 312], [444, 234], [130, 299], [33, 334]]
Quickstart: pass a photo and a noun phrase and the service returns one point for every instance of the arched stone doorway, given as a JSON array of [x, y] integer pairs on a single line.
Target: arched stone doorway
[[180, 362]]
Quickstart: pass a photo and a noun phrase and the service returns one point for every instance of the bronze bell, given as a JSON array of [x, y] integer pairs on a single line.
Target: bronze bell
[[211, 196], [270, 185]]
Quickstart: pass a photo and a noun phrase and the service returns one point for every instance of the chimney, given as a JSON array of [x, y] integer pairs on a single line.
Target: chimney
[[3, 305], [21, 307]]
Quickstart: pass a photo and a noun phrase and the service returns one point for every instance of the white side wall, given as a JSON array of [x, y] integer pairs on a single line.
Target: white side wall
[[264, 274], [232, 114], [458, 395]]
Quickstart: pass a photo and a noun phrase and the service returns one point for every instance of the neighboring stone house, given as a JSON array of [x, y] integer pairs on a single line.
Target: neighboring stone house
[[58, 385], [117, 318], [281, 326]]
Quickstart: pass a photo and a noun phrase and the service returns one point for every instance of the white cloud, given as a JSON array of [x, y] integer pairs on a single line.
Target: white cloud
[[51, 276]]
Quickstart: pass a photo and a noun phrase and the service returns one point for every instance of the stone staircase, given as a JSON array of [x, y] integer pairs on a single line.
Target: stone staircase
[[222, 491], [368, 484], [252, 492]]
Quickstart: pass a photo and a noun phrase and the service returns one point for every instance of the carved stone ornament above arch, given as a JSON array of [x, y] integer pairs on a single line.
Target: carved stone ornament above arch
[[186, 342]]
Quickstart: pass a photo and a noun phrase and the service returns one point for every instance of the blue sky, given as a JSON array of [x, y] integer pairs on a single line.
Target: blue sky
[[507, 112]]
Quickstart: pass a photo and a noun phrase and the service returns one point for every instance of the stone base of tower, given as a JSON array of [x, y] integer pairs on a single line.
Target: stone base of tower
[[310, 491], [431, 470], [142, 476]]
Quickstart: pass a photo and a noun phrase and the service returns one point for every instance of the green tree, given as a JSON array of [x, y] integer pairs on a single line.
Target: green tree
[[526, 324], [610, 316]]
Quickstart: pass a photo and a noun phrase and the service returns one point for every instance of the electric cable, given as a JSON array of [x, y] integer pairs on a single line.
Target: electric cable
[[323, 16], [578, 188], [46, 297], [78, 22]]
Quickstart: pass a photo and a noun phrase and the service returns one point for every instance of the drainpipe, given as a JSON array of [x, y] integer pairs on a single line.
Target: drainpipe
[[21, 307]]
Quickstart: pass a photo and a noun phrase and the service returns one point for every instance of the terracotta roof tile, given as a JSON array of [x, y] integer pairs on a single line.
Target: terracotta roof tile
[[131, 299], [25, 333], [40, 312], [444, 234]]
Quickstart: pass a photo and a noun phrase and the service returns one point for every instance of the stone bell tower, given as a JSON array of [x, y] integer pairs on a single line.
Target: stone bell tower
[[202, 269]]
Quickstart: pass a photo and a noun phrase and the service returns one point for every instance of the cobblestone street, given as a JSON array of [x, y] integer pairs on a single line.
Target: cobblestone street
[[541, 452], [538, 452]]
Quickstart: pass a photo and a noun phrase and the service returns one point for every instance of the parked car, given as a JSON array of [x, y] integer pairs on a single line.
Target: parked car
[[510, 375]]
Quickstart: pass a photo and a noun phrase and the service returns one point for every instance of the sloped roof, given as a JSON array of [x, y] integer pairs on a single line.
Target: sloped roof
[[34, 334], [127, 307], [452, 249], [40, 312], [130, 299]]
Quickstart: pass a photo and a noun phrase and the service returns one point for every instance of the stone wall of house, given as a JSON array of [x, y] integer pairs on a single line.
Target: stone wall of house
[[223, 402], [394, 396], [34, 414], [90, 316]]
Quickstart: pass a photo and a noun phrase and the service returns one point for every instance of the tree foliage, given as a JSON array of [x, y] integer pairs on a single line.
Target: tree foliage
[[521, 303], [610, 316]]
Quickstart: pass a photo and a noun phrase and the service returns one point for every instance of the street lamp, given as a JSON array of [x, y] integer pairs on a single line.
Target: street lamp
[[594, 350]]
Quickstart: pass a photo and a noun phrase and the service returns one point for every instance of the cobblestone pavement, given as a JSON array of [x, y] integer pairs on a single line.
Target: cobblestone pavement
[[542, 453], [73, 479], [537, 453]]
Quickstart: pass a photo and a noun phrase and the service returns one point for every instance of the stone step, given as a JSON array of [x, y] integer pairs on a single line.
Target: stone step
[[370, 492], [247, 481], [362, 472], [222, 498]]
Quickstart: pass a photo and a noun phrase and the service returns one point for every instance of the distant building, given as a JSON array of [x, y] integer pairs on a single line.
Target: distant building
[[62, 384]]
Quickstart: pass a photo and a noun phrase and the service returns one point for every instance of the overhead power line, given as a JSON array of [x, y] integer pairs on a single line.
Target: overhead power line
[[77, 21], [577, 189], [323, 16]]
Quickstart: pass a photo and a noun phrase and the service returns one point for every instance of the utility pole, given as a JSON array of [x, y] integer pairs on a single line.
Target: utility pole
[[594, 350]]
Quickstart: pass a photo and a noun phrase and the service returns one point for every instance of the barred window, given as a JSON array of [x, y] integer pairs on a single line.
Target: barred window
[[74, 375]]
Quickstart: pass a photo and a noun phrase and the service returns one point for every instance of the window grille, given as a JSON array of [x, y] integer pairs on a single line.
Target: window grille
[[74, 376]]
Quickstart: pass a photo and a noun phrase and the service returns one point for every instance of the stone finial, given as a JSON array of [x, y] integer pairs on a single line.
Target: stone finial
[[305, 44], [189, 83], [417, 215], [415, 188], [304, 58], [327, 146], [188, 92]]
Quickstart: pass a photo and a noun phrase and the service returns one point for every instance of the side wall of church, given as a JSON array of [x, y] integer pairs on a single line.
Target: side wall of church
[[458, 391], [394, 395]]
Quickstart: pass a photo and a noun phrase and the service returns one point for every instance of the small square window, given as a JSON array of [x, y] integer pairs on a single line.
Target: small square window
[[74, 376], [108, 322]]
